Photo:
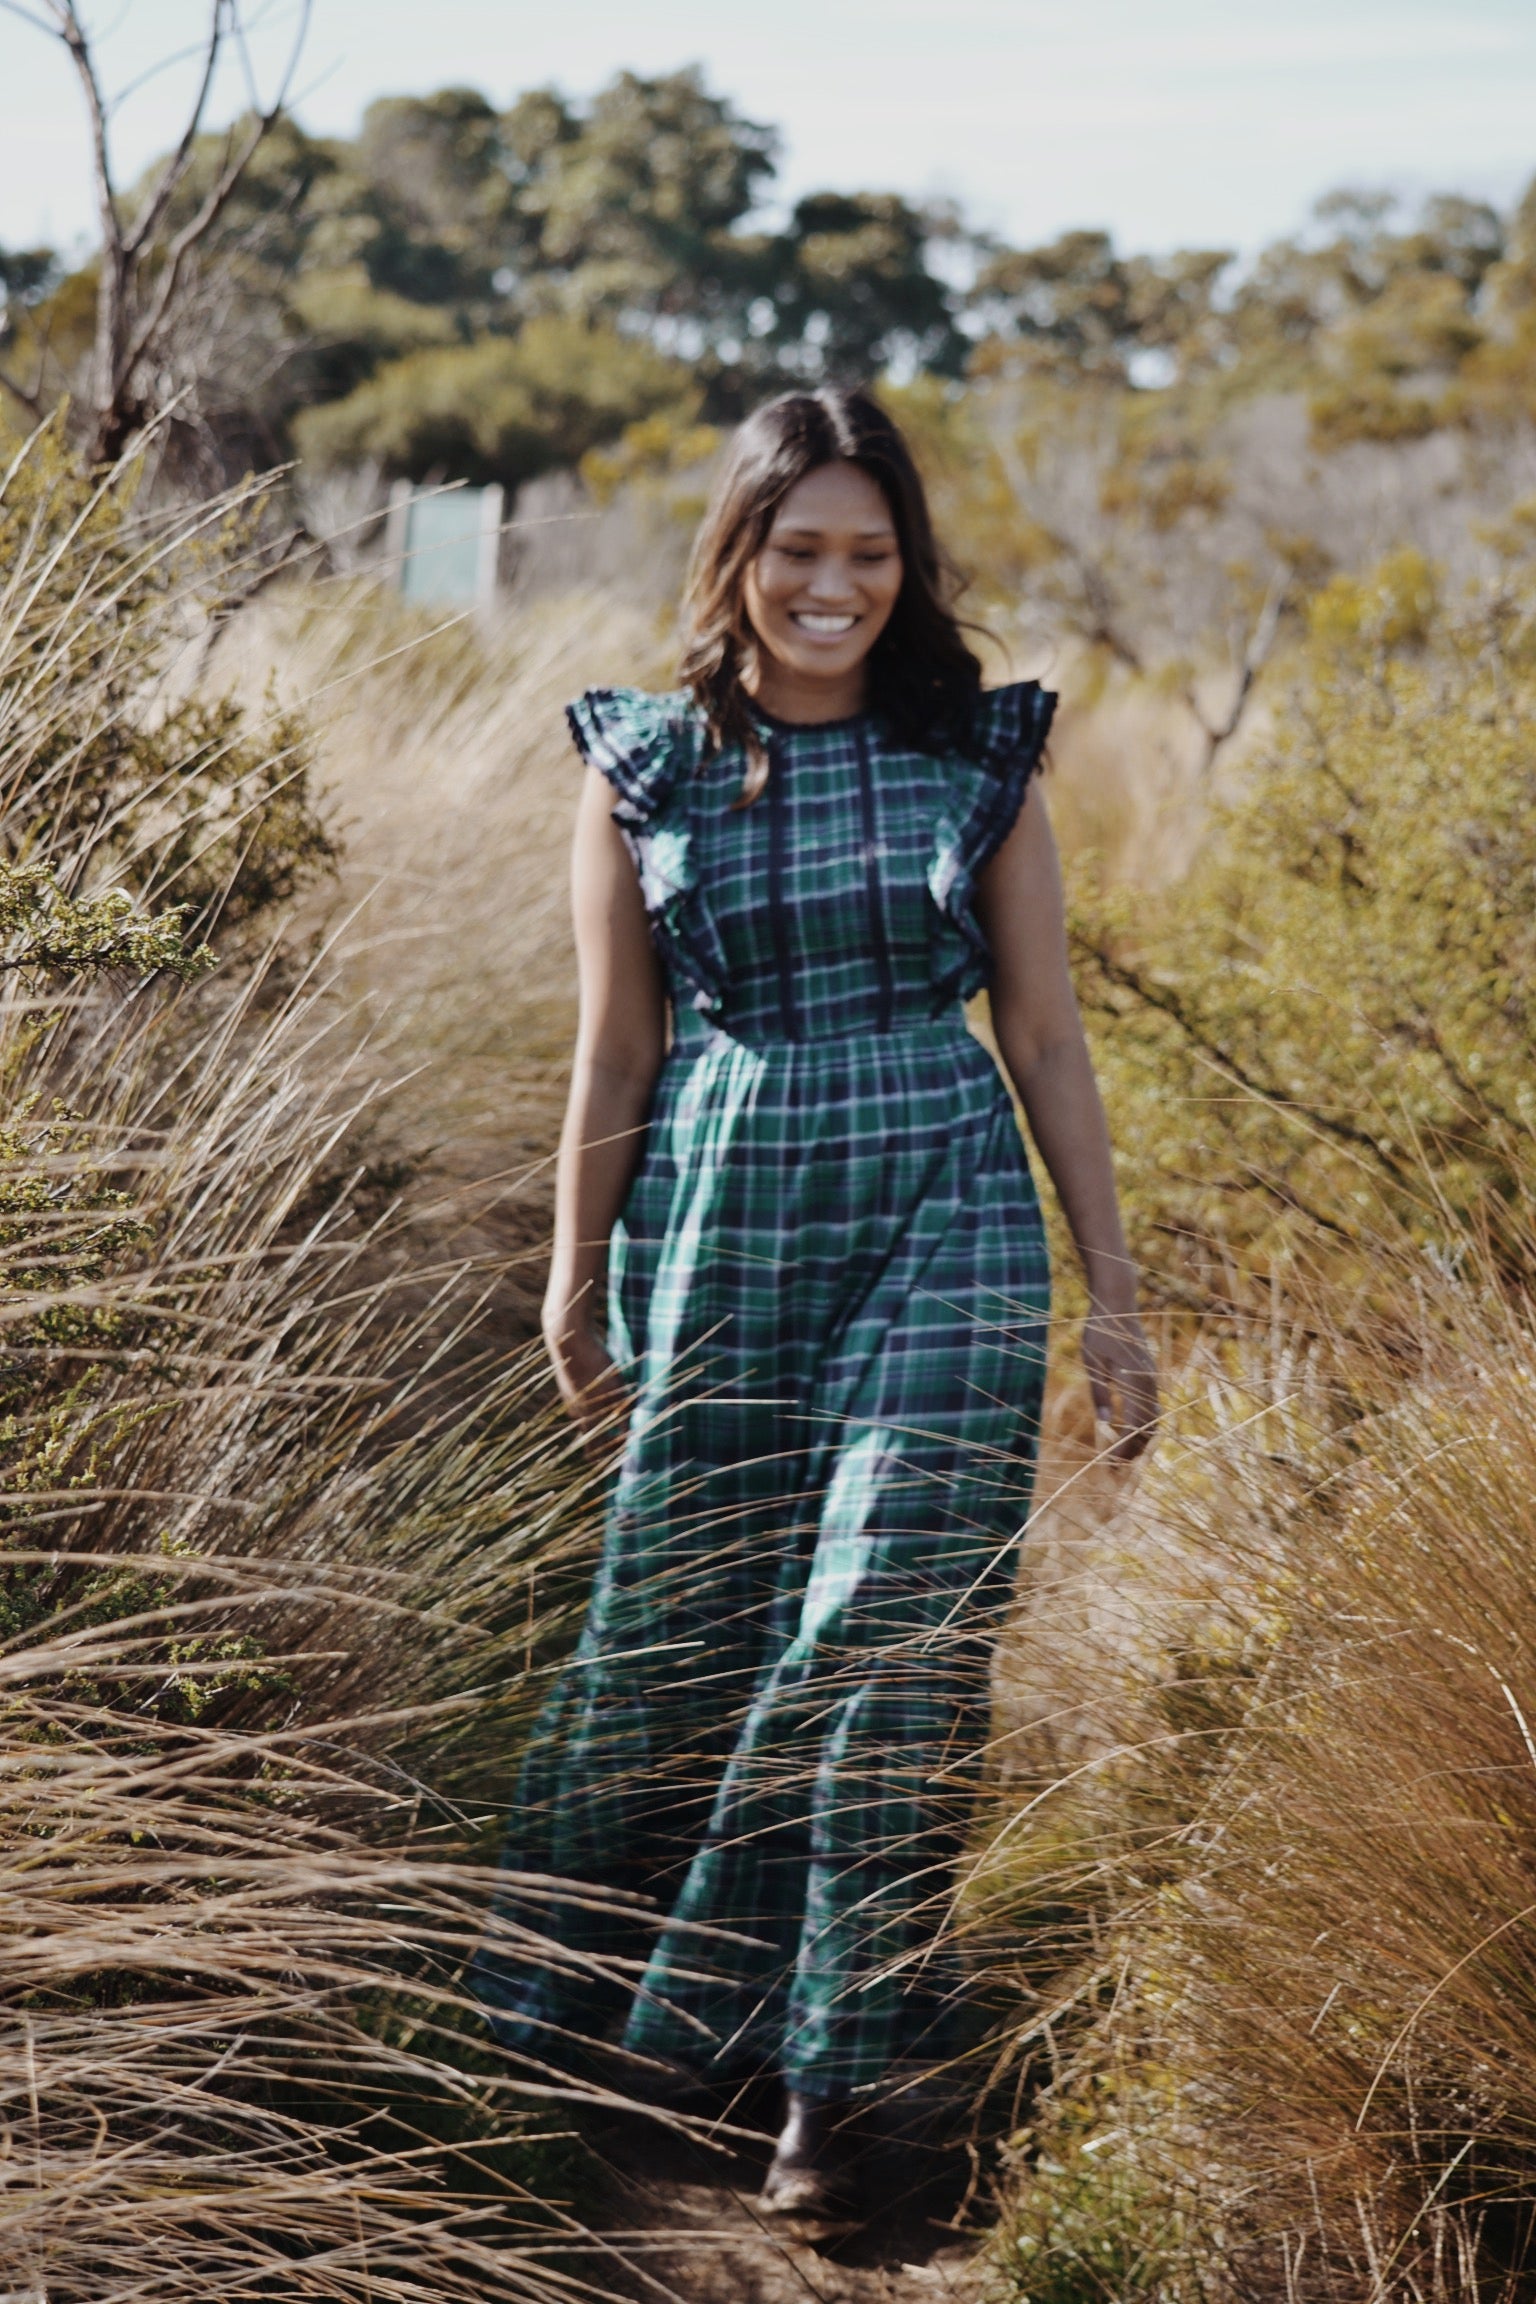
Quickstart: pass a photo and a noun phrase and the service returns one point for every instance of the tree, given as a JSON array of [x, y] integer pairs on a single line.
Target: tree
[[1077, 308], [851, 293], [144, 267], [440, 199], [636, 205], [505, 408]]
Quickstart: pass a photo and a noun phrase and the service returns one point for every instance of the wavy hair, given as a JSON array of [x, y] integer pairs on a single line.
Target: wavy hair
[[923, 678]]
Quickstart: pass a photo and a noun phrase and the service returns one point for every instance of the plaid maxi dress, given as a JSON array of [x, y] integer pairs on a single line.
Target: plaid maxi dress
[[829, 1291]]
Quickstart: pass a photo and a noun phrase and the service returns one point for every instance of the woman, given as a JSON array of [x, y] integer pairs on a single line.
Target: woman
[[812, 1217]]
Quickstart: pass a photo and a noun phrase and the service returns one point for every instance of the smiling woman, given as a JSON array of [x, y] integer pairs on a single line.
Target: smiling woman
[[808, 1200]]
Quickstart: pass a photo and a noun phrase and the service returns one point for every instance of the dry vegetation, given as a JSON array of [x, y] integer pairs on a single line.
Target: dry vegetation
[[290, 1537], [283, 1543], [442, 755], [1260, 1866]]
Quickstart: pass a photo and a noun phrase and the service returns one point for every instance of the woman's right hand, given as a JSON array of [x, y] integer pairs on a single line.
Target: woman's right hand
[[589, 1382]]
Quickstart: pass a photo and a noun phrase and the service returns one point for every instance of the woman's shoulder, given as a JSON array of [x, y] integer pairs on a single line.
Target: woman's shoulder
[[640, 741], [1008, 726], [987, 775]]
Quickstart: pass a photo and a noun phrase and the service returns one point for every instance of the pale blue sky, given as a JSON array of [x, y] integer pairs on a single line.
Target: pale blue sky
[[1213, 122]]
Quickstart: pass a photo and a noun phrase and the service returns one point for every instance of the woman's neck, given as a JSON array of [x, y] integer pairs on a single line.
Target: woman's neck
[[797, 696]]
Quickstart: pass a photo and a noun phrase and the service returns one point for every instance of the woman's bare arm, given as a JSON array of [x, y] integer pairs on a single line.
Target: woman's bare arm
[[620, 1043], [1040, 1037]]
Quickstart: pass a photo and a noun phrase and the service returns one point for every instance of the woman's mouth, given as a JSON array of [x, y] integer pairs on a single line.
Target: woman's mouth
[[822, 627]]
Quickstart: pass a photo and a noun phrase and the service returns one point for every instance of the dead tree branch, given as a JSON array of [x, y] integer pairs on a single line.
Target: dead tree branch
[[144, 275], [1256, 651]]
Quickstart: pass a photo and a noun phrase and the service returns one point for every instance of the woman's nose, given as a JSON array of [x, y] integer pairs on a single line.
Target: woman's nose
[[831, 579]]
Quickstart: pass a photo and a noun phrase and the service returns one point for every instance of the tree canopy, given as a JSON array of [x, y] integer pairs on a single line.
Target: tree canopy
[[484, 293]]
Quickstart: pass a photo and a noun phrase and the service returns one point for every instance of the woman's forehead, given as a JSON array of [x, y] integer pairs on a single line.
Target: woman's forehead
[[835, 496]]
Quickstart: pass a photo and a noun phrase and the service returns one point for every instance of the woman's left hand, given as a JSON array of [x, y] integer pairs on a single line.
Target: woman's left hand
[[1123, 1377]]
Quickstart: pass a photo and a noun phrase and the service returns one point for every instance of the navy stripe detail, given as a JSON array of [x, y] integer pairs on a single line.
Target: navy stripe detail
[[778, 917], [879, 942]]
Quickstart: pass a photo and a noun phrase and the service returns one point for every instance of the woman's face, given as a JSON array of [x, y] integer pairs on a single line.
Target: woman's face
[[821, 591]]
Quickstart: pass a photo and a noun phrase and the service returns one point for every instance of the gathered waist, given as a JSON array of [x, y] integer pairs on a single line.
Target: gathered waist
[[944, 1034]]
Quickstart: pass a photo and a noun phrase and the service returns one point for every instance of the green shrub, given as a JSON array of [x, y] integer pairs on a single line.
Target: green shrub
[[115, 771], [505, 408], [1326, 1027]]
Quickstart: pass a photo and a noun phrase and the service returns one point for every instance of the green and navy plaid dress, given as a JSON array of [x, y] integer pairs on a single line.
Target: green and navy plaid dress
[[829, 1291]]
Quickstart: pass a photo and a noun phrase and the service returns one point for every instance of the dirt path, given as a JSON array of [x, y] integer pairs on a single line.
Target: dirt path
[[683, 2228]]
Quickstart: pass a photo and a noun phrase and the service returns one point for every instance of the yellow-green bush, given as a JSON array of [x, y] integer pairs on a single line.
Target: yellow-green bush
[[115, 770], [504, 408], [1291, 2030], [1326, 1028]]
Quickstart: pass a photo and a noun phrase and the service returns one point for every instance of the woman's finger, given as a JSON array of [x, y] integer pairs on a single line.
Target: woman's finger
[[1137, 1420]]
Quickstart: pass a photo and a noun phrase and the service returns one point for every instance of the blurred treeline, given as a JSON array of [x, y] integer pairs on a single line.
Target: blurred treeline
[[483, 294]]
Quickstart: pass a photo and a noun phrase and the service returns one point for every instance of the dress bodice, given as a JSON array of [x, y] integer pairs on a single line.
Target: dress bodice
[[838, 904]]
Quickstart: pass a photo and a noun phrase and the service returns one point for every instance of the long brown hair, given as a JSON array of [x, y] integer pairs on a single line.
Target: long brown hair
[[923, 679]]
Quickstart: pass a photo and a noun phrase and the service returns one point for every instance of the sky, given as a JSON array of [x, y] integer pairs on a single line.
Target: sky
[[1170, 122]]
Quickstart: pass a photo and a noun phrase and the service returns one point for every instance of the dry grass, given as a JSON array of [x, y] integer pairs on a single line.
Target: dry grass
[[443, 753], [290, 1541], [1272, 1731], [284, 1547]]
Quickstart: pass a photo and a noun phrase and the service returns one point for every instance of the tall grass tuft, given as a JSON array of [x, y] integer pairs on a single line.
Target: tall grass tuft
[[280, 1547], [1267, 1851]]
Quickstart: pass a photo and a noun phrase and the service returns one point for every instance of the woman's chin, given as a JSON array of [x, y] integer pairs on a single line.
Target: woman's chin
[[825, 666]]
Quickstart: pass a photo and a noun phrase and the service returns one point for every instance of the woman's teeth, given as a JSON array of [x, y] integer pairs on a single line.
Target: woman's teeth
[[831, 626]]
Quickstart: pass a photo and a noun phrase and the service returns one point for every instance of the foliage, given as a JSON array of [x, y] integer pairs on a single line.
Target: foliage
[[110, 766], [352, 291], [503, 409], [44, 931], [1085, 2220], [1078, 307], [659, 448], [1327, 1025], [851, 293], [1273, 1789]]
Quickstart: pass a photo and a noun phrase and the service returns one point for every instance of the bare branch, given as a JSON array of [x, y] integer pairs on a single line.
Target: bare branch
[[126, 329], [153, 72], [159, 199], [32, 402], [168, 287], [72, 33], [1255, 655], [219, 195], [1102, 627], [38, 23]]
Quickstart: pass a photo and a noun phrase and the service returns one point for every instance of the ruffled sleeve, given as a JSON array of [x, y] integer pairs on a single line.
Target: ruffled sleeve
[[649, 747], [984, 791]]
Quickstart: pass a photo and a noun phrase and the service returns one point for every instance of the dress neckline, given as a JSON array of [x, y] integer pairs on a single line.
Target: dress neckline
[[803, 727]]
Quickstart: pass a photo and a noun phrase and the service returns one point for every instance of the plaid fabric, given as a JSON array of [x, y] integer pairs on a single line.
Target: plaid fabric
[[829, 1288]]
